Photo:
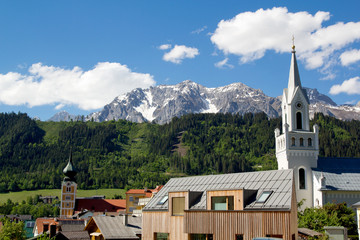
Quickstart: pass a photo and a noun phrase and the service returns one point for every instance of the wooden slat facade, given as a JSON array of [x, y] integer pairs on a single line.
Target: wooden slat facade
[[226, 224]]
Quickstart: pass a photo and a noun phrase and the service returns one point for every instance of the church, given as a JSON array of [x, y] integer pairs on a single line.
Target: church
[[71, 205], [318, 180]]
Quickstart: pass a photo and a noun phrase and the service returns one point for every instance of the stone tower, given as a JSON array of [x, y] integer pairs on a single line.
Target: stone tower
[[68, 190], [297, 147]]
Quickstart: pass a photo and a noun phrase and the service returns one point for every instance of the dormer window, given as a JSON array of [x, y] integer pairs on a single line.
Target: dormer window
[[264, 196], [222, 203], [178, 206]]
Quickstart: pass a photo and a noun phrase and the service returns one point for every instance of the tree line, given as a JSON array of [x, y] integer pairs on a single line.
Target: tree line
[[122, 154]]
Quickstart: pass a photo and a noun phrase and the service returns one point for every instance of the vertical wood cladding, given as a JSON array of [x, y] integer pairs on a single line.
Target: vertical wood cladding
[[222, 224], [226, 224]]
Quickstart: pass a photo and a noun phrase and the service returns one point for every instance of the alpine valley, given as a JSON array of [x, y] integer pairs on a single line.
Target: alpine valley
[[161, 103]]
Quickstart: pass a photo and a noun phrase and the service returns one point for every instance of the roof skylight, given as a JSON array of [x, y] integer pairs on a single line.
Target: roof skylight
[[264, 196], [163, 200]]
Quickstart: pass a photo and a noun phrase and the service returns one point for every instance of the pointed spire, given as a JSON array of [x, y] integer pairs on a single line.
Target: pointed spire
[[294, 76], [70, 171]]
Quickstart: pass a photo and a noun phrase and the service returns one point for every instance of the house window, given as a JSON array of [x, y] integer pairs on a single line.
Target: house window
[[163, 200], [178, 206], [292, 141], [222, 203], [161, 236], [201, 237], [131, 209], [309, 142], [68, 189], [67, 197], [302, 178], [239, 237], [131, 198], [301, 142], [264, 196], [298, 120]]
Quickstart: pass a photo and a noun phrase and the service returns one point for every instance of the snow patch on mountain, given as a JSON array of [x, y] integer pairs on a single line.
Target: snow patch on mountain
[[147, 108]]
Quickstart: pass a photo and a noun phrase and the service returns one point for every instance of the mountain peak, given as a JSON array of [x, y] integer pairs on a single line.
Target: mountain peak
[[162, 103]]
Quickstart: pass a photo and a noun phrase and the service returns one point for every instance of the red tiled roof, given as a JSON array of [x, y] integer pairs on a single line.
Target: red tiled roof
[[100, 205], [147, 193]]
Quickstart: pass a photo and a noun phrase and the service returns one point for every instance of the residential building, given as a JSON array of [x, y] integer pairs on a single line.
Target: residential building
[[227, 206], [114, 227], [136, 199]]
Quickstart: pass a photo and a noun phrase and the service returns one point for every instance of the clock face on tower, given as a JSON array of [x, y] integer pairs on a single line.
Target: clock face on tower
[[298, 105]]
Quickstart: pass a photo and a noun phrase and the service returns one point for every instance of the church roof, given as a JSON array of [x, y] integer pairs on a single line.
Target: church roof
[[279, 182], [340, 173]]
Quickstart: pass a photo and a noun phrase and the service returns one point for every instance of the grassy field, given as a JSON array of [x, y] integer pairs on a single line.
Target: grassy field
[[20, 196]]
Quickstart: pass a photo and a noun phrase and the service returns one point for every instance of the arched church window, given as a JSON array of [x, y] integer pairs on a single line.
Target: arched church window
[[301, 142], [298, 120], [309, 142], [292, 141], [301, 178]]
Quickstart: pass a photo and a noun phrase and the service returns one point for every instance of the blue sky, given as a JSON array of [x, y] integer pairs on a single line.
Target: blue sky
[[79, 55]]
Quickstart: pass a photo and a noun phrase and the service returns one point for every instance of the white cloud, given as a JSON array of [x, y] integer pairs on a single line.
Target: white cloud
[[223, 64], [350, 57], [198, 31], [350, 86], [250, 34], [165, 46], [180, 52], [87, 90]]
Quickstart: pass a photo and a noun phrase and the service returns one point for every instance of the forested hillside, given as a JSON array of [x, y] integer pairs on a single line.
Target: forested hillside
[[122, 154]]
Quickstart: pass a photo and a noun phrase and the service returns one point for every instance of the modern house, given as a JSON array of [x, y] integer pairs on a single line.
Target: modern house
[[237, 206]]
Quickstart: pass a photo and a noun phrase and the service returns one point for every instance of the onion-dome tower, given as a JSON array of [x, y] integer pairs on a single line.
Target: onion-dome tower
[[68, 190]]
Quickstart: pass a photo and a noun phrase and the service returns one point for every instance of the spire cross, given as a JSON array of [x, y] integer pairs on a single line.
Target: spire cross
[[293, 42]]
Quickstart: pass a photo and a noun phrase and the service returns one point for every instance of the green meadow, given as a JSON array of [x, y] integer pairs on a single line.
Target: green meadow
[[20, 196]]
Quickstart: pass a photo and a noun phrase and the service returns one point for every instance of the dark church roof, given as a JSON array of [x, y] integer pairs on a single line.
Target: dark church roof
[[340, 173], [338, 165]]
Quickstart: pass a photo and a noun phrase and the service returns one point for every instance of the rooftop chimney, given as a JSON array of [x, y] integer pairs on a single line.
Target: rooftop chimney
[[125, 219]]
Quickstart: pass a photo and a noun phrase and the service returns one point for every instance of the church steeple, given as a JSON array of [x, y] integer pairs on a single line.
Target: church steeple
[[70, 171], [294, 76], [68, 189], [297, 147]]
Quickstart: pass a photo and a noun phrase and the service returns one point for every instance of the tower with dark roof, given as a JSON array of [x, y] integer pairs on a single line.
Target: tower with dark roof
[[297, 147], [68, 190]]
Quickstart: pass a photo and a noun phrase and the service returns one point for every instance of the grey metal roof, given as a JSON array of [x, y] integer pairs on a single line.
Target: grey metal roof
[[340, 173], [278, 181], [112, 227], [75, 235]]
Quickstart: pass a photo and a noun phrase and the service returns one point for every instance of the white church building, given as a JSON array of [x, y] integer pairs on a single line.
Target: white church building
[[318, 180]]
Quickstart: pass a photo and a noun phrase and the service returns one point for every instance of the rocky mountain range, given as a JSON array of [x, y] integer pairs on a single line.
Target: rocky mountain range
[[161, 103]]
